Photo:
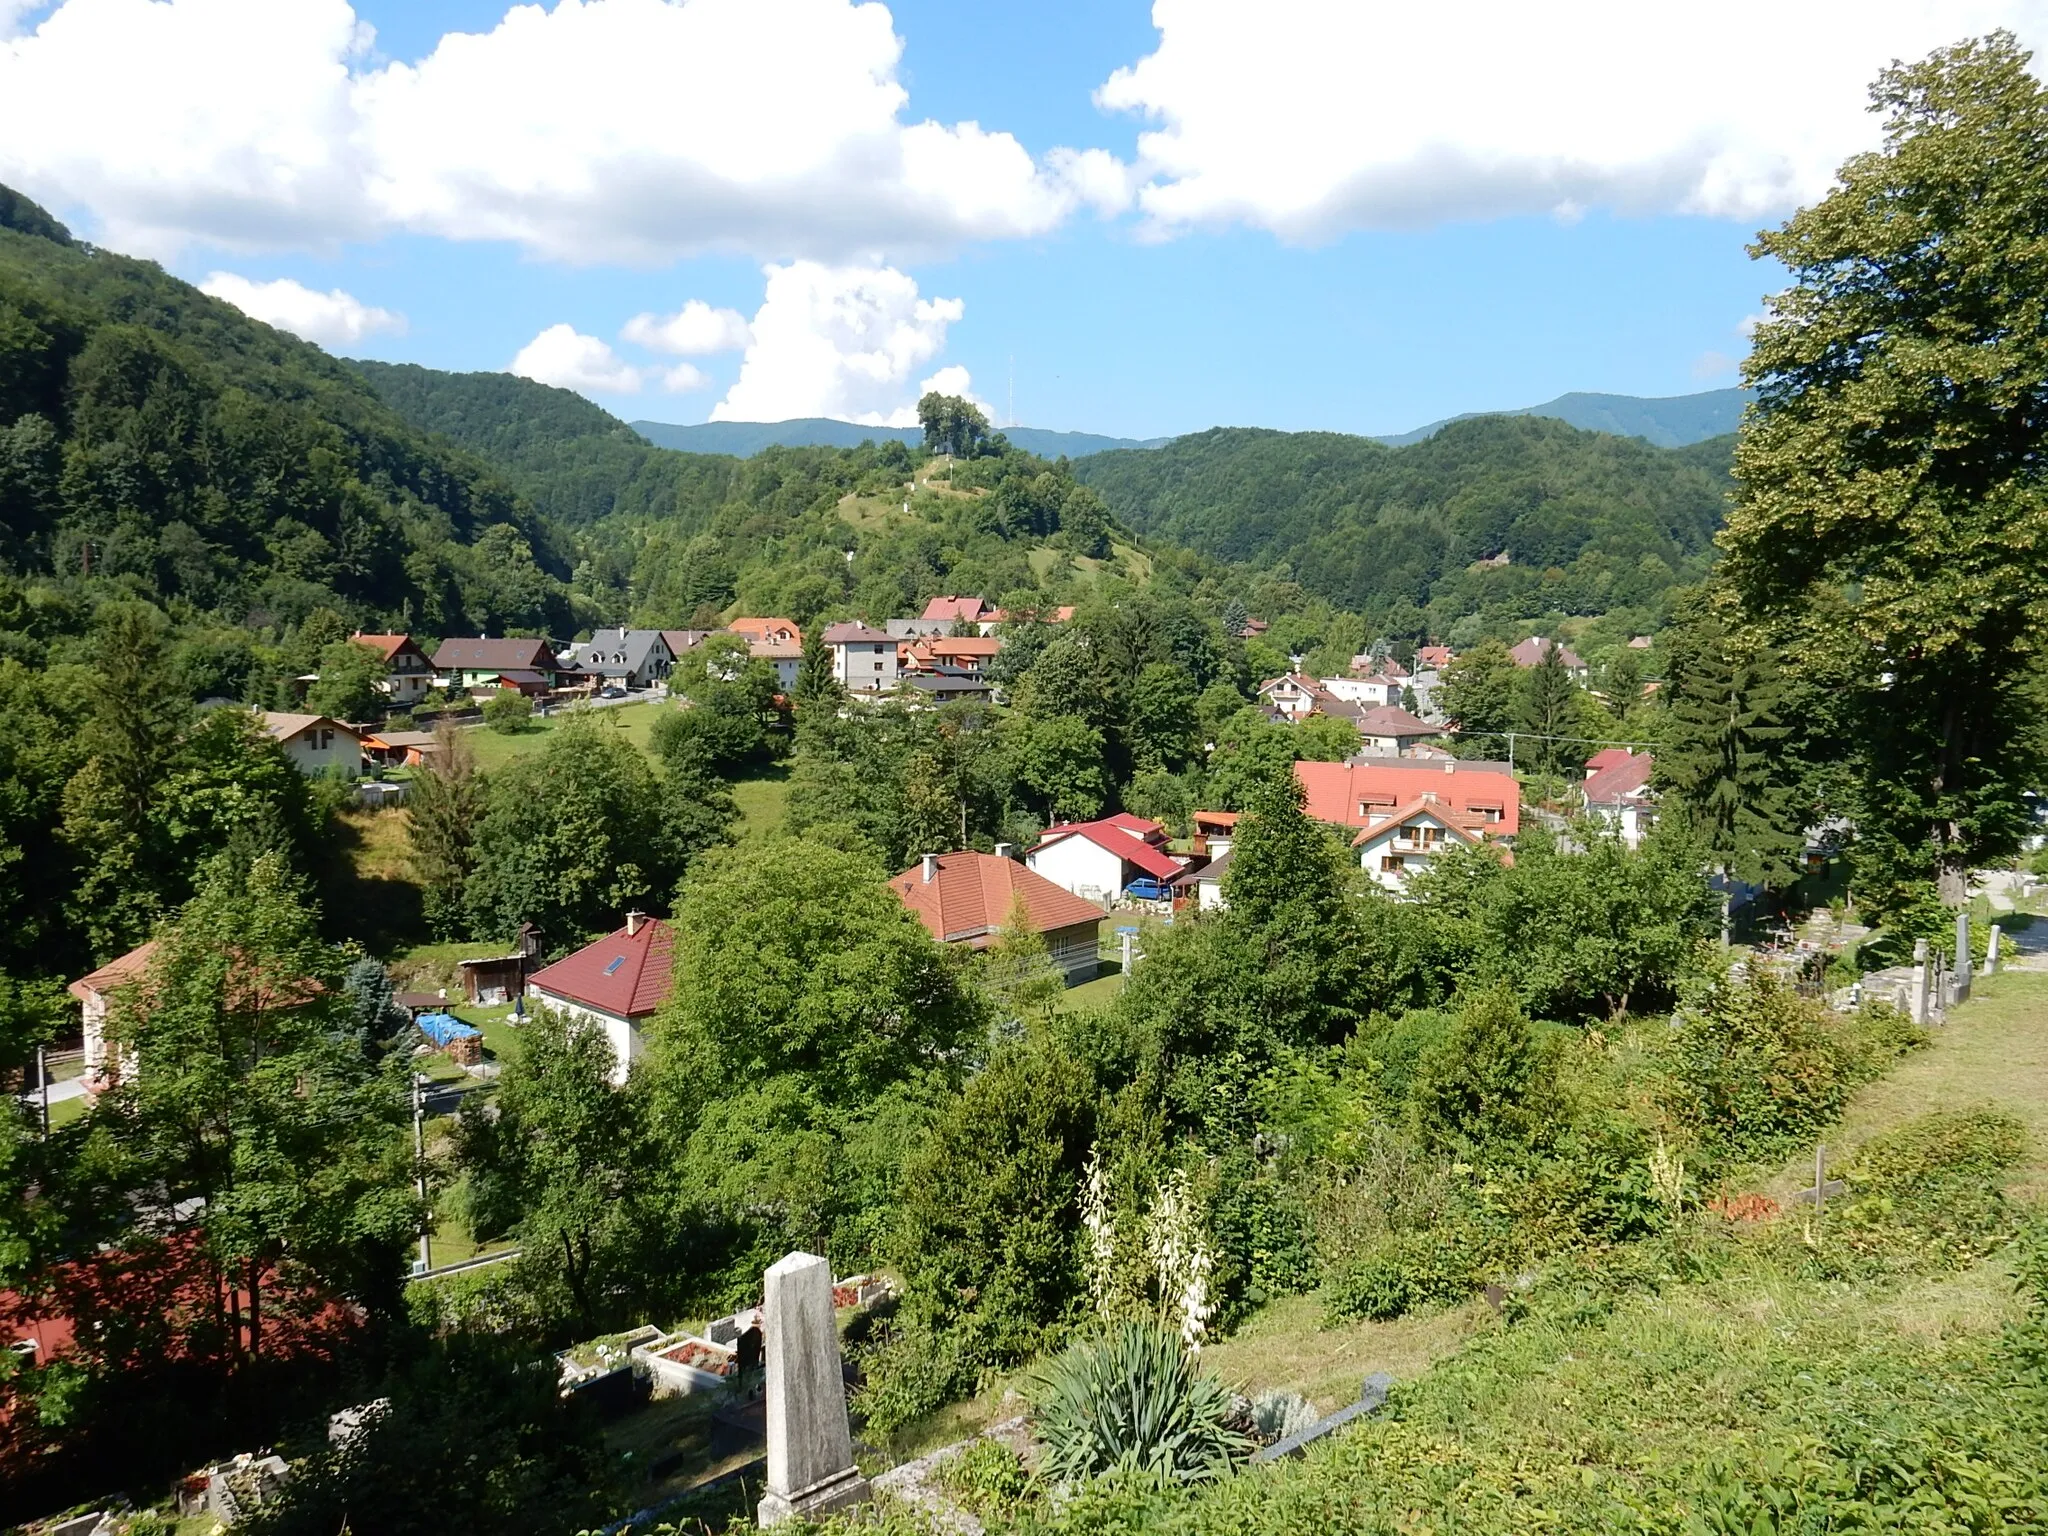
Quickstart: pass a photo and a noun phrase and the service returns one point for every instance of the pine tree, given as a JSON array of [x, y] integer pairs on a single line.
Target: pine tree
[[815, 684], [1548, 711], [442, 809], [1724, 758], [1237, 620]]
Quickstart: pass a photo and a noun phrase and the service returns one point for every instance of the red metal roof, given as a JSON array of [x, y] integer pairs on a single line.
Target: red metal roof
[[1615, 782], [627, 976], [1336, 790], [970, 895], [1607, 757], [1114, 838], [973, 609]]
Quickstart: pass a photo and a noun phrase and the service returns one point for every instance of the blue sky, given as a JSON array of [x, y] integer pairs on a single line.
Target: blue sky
[[1335, 214]]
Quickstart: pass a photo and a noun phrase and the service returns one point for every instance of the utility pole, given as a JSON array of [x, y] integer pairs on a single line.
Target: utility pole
[[43, 1078], [1511, 751], [419, 1153]]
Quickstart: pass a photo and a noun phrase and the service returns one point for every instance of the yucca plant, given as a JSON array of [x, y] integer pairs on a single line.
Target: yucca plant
[[1130, 1403]]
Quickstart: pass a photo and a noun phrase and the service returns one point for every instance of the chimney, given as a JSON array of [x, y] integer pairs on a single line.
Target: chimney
[[931, 868], [1450, 765], [633, 922], [1006, 850]]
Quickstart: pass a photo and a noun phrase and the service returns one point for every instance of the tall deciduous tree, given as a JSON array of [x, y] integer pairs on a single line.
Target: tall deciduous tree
[[442, 811], [347, 689], [1480, 693], [1893, 497]]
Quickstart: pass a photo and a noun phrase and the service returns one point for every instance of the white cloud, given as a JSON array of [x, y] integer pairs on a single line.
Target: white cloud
[[566, 358], [331, 319], [694, 329], [592, 130], [1310, 117], [842, 342], [684, 376]]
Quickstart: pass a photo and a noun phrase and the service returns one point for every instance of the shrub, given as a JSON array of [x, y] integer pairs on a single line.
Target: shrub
[[914, 1371], [986, 1478], [1276, 1415], [508, 713], [1409, 1270], [1489, 1079], [1130, 1404]]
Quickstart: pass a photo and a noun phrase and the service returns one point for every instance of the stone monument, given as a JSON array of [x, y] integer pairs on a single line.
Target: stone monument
[[810, 1446]]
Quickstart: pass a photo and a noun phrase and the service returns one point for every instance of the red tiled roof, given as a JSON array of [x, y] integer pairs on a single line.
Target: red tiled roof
[[1530, 653], [854, 633], [625, 976], [1393, 720], [1469, 828], [386, 646], [764, 629], [973, 609], [486, 655], [1335, 790], [970, 896], [1111, 838], [1435, 656], [1607, 757], [1617, 781], [961, 645], [115, 973]]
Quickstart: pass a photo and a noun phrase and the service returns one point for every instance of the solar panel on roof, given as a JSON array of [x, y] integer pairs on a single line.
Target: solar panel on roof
[[615, 965]]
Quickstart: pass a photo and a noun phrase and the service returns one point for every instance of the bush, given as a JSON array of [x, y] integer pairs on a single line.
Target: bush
[[1489, 1079], [913, 1371], [1131, 1405], [508, 713], [986, 1478]]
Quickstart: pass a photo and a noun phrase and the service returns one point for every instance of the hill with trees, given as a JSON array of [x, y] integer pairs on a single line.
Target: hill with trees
[[1586, 522]]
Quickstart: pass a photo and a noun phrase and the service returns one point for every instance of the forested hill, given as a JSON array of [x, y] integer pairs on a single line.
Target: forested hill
[[1368, 526], [574, 461], [153, 434]]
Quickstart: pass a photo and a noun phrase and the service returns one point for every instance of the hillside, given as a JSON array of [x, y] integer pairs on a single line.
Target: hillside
[[1672, 421], [151, 433], [1365, 525], [746, 438]]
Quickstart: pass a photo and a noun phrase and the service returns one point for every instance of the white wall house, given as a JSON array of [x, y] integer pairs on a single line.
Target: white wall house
[[863, 659], [1080, 865], [1293, 695], [1364, 690], [615, 985], [1408, 841], [316, 744]]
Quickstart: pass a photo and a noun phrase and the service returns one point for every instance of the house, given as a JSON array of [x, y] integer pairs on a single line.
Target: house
[[1407, 839], [1215, 831], [1203, 884], [995, 616], [408, 674], [683, 641], [399, 749], [1108, 858], [1366, 791], [958, 610], [1373, 690], [316, 744], [464, 664], [965, 898], [1294, 696], [95, 992], [1617, 791], [627, 658], [528, 684], [616, 984], [1530, 653], [784, 656], [1639, 642], [1390, 730], [863, 659], [916, 629], [945, 685], [781, 631], [1433, 658], [968, 653]]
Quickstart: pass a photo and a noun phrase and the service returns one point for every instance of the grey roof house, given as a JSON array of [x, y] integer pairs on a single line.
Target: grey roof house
[[636, 658]]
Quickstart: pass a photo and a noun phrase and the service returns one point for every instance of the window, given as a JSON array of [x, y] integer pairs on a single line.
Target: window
[[621, 960], [1485, 812], [1392, 863]]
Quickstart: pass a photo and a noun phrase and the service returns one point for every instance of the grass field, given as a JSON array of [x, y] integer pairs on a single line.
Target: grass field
[[494, 749]]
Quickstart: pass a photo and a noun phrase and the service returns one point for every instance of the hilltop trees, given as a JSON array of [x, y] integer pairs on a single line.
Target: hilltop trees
[[952, 425], [1892, 517]]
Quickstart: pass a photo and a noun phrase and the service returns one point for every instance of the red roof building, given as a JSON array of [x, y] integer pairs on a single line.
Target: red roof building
[[1365, 791], [951, 610], [616, 983], [1618, 792], [1530, 654], [1102, 860], [965, 898], [1433, 658]]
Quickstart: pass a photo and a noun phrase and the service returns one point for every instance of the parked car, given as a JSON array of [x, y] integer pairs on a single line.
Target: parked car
[[613, 692]]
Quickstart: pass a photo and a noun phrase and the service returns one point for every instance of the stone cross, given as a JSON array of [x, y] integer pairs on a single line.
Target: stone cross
[[810, 1446]]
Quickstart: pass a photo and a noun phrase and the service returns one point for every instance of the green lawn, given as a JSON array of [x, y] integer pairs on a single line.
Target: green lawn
[[494, 749], [763, 801]]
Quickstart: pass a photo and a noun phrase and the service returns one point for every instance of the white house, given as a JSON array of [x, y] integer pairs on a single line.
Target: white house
[[1292, 695], [1617, 791], [616, 984], [1102, 860], [632, 658], [785, 656], [1370, 691], [316, 744], [863, 659], [408, 673], [1407, 841], [1389, 730], [1206, 883]]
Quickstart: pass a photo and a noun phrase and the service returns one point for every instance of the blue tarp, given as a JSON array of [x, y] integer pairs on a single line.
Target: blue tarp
[[441, 1028]]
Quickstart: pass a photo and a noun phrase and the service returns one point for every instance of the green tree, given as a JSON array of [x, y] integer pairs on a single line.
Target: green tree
[[571, 837], [1488, 1079], [1251, 751], [1161, 724], [554, 1164], [951, 425], [1481, 694], [347, 687], [1891, 507], [243, 1094], [1018, 974], [1546, 713], [442, 810], [815, 685], [507, 712], [1058, 758]]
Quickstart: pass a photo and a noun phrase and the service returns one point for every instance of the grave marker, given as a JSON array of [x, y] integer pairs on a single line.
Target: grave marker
[[810, 1445]]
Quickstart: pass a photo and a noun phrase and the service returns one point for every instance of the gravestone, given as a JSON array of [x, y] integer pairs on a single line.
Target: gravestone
[[810, 1445], [1919, 981], [1962, 972], [1991, 951]]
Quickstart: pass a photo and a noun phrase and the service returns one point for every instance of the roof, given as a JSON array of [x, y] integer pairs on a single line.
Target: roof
[[973, 609], [285, 726], [1335, 790], [1530, 653], [1216, 818], [856, 634], [487, 655], [1111, 838], [971, 894], [774, 650], [1606, 757], [394, 740], [1202, 874], [681, 640], [627, 976], [636, 645], [947, 681], [1620, 781], [115, 973], [1437, 656], [1393, 720], [386, 646], [1137, 826], [516, 675], [1307, 684], [960, 645], [764, 628], [1445, 816]]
